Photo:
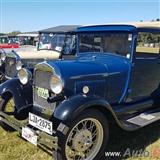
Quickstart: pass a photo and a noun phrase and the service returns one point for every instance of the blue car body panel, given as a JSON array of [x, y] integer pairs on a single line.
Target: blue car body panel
[[106, 74], [108, 28]]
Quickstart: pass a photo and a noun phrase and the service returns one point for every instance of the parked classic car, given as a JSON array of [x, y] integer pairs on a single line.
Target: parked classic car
[[49, 47], [9, 42], [62, 39], [28, 38], [76, 101]]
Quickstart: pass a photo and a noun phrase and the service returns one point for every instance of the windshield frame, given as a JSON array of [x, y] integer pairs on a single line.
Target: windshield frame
[[65, 38], [39, 40]]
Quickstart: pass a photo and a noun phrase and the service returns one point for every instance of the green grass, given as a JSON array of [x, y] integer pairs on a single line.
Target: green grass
[[148, 49], [12, 147]]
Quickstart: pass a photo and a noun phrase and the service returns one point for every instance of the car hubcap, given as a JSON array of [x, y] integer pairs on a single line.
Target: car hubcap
[[85, 140]]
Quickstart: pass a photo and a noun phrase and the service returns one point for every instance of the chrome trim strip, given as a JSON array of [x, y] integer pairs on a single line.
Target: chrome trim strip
[[93, 75], [151, 58]]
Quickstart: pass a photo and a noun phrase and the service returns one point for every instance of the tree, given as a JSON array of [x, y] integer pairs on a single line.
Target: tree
[[14, 33]]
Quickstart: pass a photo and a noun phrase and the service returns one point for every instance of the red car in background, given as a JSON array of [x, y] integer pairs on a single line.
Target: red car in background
[[9, 42]]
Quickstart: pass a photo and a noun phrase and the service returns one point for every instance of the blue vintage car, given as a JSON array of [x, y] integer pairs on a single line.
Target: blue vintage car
[[75, 101]]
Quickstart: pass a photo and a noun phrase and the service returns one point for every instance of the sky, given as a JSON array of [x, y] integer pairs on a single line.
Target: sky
[[34, 15]]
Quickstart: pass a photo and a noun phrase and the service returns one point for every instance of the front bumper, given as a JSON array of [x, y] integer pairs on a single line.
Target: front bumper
[[45, 141]]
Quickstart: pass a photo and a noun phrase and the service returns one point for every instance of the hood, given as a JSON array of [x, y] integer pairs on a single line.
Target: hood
[[90, 64]]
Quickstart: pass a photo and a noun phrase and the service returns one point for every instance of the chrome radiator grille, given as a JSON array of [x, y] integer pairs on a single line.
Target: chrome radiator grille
[[10, 67], [42, 80]]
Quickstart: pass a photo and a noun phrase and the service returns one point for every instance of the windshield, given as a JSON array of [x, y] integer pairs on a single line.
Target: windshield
[[57, 42], [51, 41], [13, 40], [118, 43], [3, 40], [24, 40], [8, 40]]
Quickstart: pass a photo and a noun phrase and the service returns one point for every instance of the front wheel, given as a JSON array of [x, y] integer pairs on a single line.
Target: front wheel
[[86, 138]]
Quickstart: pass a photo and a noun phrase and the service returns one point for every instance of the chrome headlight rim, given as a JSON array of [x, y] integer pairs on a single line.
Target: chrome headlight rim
[[56, 84], [24, 76], [19, 65]]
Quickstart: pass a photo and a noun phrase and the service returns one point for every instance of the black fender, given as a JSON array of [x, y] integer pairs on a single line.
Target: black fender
[[22, 94], [69, 109]]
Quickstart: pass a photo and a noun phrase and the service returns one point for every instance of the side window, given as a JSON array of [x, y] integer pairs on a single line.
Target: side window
[[90, 43], [118, 43], [148, 45]]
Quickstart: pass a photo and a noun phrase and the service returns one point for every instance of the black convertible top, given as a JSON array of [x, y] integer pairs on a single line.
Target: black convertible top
[[61, 29]]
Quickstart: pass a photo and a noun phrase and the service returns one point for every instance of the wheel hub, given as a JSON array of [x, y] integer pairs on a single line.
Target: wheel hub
[[82, 141]]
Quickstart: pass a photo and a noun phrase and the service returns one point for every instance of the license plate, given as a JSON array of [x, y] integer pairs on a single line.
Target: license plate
[[40, 123], [41, 92], [29, 135]]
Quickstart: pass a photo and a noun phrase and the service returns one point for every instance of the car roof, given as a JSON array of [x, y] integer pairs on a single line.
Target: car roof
[[61, 29], [129, 27], [7, 36], [28, 34]]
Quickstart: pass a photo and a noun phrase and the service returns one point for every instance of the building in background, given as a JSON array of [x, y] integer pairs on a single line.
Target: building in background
[[9, 41], [28, 38]]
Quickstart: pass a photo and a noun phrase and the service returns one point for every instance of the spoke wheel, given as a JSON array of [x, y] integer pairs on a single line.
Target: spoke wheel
[[84, 140], [86, 137]]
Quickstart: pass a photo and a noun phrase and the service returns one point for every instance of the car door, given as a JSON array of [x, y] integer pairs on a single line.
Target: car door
[[145, 77]]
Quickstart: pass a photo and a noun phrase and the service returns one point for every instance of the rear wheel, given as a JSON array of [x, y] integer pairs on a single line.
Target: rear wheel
[[7, 106], [86, 138]]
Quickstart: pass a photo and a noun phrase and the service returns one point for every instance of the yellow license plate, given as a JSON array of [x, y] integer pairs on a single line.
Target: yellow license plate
[[41, 92]]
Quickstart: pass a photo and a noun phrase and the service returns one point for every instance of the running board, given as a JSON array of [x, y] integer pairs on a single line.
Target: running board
[[145, 118]]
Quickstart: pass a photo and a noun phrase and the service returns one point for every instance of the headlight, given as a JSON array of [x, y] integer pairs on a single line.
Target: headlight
[[18, 65], [24, 76], [56, 84], [3, 56]]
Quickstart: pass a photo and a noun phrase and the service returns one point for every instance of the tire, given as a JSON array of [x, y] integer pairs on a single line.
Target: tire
[[87, 117], [3, 103]]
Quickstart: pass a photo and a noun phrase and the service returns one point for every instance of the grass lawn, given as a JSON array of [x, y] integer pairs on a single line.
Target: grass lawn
[[147, 139], [147, 49], [12, 147]]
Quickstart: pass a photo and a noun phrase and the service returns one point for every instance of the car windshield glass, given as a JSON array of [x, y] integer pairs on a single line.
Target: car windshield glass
[[12, 40], [69, 46], [50, 41], [24, 40], [64, 43], [118, 43], [9, 40], [3, 40]]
